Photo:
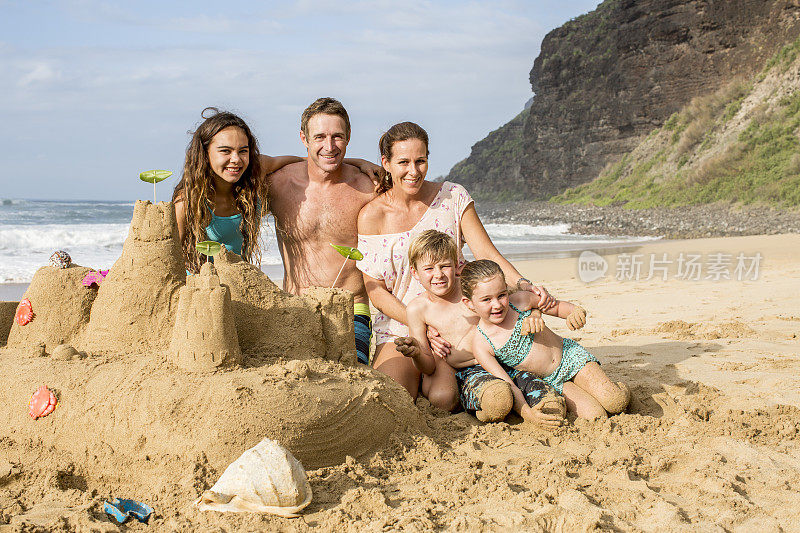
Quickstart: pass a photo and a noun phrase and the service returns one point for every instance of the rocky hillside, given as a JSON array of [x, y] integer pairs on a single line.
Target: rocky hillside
[[605, 80], [739, 144]]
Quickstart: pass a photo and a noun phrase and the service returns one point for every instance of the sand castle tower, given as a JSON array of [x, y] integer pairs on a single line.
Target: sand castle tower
[[269, 320], [336, 309], [204, 337], [135, 306], [61, 306]]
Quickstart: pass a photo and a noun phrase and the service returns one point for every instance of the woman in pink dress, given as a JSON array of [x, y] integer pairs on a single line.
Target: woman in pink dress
[[406, 206]]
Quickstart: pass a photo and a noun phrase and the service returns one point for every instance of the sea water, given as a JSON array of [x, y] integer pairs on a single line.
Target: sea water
[[93, 232]]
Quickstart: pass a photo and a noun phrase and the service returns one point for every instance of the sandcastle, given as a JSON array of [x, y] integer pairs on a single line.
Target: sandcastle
[[199, 371], [204, 336], [135, 306], [61, 308]]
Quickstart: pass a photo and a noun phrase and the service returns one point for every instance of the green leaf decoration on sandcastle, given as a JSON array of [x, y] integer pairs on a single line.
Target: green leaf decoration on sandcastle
[[154, 176], [348, 253], [208, 248]]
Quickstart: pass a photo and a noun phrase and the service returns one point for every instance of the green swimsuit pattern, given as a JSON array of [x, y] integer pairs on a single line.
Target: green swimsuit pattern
[[516, 349]]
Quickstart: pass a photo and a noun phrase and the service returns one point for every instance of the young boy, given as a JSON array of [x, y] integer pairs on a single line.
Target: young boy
[[432, 256]]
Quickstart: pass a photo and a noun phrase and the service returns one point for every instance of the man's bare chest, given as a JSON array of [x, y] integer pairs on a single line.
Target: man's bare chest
[[317, 216]]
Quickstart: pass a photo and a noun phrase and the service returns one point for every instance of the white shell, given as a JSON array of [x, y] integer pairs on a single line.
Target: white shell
[[265, 479]]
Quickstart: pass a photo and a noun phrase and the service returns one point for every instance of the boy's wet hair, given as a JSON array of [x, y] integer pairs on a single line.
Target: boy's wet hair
[[433, 245], [477, 271]]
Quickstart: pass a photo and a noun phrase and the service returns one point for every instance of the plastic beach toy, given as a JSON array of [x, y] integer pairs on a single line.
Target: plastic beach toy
[[348, 253], [122, 509], [94, 278], [24, 312], [42, 403]]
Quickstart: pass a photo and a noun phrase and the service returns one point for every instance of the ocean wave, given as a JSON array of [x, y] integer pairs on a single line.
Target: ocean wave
[[24, 239], [501, 231]]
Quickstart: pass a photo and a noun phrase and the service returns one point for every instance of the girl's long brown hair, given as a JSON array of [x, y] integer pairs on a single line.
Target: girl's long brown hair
[[196, 189]]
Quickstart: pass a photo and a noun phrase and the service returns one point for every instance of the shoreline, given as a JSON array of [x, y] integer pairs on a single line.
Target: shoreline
[[685, 222]]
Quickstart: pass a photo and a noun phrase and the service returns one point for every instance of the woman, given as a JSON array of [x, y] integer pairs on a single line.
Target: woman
[[407, 205]]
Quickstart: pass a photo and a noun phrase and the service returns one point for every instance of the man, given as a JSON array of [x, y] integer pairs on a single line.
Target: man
[[316, 203]]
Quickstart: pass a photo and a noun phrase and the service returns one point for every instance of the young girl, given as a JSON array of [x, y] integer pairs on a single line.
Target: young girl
[[222, 195], [563, 363]]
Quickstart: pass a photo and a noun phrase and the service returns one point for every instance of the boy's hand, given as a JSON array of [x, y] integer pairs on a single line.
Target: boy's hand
[[532, 324], [577, 318], [536, 416], [407, 346], [439, 346]]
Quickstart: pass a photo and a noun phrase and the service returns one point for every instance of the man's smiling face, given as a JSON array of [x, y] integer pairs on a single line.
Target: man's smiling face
[[326, 141]]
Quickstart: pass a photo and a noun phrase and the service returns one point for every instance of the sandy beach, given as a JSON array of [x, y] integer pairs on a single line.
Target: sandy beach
[[710, 442]]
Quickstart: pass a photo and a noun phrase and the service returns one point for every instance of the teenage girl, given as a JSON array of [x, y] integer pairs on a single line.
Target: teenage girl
[[564, 364], [222, 195]]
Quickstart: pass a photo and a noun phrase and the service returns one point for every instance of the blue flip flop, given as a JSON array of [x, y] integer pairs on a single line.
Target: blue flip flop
[[122, 509]]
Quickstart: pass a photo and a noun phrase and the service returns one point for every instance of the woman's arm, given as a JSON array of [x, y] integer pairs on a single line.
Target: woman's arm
[[386, 302], [270, 164], [482, 248]]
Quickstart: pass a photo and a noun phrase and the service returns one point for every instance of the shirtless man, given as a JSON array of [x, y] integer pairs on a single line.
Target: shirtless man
[[316, 203]]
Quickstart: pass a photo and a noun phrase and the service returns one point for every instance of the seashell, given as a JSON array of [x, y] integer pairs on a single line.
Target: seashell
[[265, 479], [24, 312], [42, 403], [94, 278], [60, 259]]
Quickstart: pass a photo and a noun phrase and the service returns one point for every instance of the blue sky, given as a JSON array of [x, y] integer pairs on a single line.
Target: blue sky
[[93, 92]]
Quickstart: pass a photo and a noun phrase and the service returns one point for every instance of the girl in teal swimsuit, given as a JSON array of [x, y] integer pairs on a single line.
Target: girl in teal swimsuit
[[562, 363], [222, 195]]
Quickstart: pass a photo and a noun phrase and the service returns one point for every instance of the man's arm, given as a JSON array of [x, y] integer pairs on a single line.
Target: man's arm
[[270, 164], [367, 167]]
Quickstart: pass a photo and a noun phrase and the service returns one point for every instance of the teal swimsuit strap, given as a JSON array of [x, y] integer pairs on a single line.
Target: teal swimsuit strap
[[517, 326], [485, 336]]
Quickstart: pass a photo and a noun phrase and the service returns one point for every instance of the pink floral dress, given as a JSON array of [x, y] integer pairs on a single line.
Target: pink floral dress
[[386, 256]]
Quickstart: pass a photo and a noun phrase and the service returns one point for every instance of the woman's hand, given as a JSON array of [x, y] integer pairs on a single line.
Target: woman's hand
[[546, 300], [577, 318], [439, 346]]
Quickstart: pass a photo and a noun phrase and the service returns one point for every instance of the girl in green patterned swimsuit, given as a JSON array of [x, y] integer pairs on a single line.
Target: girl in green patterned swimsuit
[[563, 363]]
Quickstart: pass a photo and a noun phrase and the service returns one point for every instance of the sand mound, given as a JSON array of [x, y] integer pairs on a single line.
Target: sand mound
[[269, 320], [61, 306], [681, 330], [116, 417], [135, 306], [204, 336], [7, 310]]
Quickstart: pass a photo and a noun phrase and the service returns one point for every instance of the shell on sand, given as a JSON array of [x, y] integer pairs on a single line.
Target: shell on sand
[[265, 479]]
